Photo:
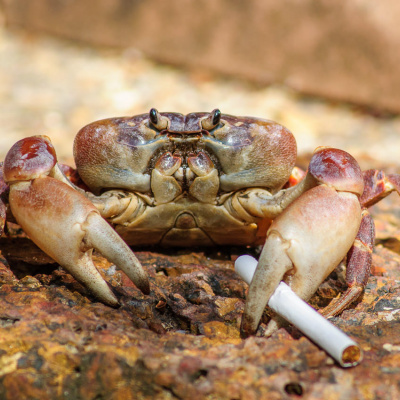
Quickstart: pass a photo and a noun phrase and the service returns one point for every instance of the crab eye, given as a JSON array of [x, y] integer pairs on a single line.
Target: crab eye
[[217, 117], [157, 119], [212, 120], [153, 114]]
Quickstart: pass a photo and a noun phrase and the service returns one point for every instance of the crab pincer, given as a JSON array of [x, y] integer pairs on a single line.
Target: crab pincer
[[62, 221], [308, 240]]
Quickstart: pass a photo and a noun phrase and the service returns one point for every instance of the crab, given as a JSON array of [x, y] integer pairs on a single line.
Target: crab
[[202, 179]]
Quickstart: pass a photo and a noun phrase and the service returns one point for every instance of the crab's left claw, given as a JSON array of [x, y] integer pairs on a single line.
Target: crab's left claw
[[61, 221], [311, 236]]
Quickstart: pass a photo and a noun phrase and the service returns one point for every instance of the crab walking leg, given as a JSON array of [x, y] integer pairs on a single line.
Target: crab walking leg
[[304, 244], [2, 216], [3, 194], [359, 260], [65, 225], [378, 185]]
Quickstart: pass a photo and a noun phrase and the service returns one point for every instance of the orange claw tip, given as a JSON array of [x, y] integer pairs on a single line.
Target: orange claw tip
[[337, 168], [29, 158]]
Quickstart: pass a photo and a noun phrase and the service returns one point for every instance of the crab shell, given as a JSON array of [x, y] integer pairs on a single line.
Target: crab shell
[[185, 173]]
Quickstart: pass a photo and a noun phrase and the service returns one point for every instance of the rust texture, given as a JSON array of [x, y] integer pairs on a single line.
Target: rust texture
[[183, 340]]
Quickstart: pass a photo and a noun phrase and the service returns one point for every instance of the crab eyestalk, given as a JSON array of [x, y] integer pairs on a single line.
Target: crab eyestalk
[[63, 222], [158, 121], [212, 120]]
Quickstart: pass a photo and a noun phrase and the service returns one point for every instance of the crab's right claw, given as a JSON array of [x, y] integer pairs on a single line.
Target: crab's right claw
[[310, 237], [62, 222]]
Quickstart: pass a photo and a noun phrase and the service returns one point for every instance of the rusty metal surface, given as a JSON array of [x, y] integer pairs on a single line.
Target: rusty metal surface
[[183, 340]]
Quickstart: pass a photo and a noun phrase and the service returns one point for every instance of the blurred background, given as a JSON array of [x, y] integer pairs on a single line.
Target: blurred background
[[326, 70]]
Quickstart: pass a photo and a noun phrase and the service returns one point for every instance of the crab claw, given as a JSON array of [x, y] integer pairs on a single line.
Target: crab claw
[[310, 238], [62, 222]]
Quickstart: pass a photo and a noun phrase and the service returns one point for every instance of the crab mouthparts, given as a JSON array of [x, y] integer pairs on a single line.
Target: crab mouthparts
[[185, 137]]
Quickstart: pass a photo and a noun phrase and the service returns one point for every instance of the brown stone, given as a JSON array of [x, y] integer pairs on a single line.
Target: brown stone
[[341, 50], [182, 341], [56, 340]]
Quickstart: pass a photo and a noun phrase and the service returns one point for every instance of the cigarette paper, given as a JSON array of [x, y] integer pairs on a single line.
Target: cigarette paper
[[296, 311]]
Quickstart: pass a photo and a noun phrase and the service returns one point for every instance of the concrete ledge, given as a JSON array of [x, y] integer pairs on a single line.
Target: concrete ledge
[[346, 51]]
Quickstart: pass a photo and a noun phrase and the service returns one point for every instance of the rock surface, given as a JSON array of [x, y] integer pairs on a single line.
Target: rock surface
[[182, 341]]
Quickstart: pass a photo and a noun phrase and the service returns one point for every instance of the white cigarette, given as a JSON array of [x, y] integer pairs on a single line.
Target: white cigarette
[[296, 311]]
